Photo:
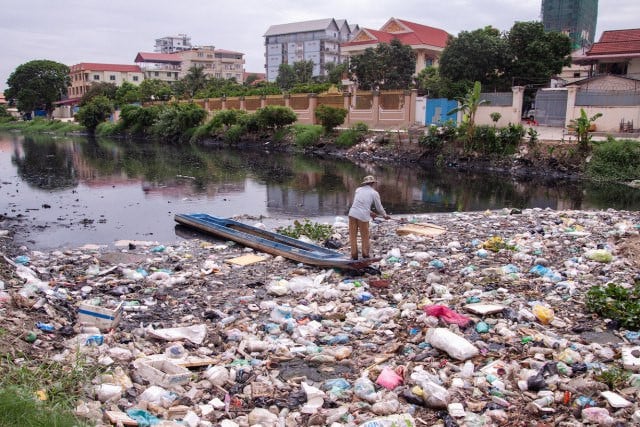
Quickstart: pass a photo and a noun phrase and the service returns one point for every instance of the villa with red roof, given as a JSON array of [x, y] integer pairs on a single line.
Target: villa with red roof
[[614, 61], [427, 42]]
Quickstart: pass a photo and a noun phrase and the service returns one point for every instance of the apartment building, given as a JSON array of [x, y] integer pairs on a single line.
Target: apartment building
[[84, 74], [216, 63], [171, 44], [318, 41], [159, 66], [427, 42]]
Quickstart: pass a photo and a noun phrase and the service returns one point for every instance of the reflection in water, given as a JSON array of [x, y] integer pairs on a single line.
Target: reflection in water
[[126, 190]]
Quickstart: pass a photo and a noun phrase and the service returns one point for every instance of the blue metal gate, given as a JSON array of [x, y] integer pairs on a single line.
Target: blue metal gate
[[437, 109]]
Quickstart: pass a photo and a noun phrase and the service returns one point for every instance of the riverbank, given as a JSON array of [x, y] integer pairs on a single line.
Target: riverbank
[[276, 340]]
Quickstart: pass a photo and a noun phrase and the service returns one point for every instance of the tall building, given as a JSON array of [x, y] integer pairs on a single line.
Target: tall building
[[318, 41], [576, 18], [171, 44]]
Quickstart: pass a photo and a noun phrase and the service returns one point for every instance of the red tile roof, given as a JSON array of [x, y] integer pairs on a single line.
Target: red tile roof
[[418, 34], [160, 58], [89, 66], [617, 42]]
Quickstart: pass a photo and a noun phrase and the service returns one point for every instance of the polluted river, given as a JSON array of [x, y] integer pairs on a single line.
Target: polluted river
[[513, 313]]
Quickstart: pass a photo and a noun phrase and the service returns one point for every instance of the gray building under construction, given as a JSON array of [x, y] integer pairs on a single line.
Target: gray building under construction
[[576, 18]]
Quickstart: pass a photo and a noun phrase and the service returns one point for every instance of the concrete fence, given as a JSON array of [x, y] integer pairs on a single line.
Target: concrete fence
[[378, 110]]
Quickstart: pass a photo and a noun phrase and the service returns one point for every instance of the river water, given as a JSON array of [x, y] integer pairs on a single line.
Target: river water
[[73, 191]]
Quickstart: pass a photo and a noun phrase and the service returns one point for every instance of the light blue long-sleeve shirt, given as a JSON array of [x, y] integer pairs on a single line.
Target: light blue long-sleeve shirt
[[364, 197]]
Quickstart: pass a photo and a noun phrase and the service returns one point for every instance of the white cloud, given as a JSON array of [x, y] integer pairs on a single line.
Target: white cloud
[[72, 31]]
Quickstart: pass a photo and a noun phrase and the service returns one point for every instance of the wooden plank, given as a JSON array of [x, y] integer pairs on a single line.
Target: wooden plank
[[421, 229], [246, 259], [117, 417]]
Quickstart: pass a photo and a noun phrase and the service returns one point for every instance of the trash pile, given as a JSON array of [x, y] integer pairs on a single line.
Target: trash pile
[[483, 323]]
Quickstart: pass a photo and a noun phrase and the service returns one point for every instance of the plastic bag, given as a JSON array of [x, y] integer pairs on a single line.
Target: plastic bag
[[455, 346], [445, 313], [390, 378]]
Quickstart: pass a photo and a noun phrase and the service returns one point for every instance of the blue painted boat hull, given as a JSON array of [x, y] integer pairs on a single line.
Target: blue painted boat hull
[[270, 242]]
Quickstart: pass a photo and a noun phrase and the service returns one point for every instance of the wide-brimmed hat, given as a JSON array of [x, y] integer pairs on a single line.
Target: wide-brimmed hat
[[369, 179]]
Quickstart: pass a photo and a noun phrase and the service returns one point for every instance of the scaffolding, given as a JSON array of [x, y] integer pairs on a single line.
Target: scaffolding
[[576, 18]]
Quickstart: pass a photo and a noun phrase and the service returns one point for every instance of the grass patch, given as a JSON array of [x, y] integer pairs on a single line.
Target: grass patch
[[617, 303], [59, 385], [615, 160], [312, 230], [41, 125], [307, 135], [613, 377]]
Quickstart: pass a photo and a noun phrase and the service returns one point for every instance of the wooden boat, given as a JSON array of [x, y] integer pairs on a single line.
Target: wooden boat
[[270, 242]]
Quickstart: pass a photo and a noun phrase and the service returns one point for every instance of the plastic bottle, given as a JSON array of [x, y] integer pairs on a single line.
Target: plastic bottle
[[395, 420], [364, 388]]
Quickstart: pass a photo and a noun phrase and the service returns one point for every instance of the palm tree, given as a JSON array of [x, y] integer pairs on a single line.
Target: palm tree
[[469, 106], [195, 80]]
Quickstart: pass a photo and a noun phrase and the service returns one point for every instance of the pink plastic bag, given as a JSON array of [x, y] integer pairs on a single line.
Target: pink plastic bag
[[445, 313], [390, 378]]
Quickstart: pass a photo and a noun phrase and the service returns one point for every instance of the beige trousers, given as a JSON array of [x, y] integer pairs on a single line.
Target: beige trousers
[[356, 225]]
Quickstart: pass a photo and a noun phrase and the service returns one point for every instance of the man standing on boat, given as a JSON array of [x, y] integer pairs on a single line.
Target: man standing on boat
[[360, 214]]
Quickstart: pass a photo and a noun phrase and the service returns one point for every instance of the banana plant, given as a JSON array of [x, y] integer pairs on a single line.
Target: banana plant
[[468, 105], [582, 125]]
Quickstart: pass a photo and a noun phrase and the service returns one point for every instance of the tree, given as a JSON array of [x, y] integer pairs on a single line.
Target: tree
[[127, 93], [195, 80], [469, 106], [335, 72], [303, 70], [526, 55], [38, 84], [94, 112], [430, 82], [154, 89], [250, 79], [388, 66], [478, 55], [535, 54], [99, 88], [286, 77]]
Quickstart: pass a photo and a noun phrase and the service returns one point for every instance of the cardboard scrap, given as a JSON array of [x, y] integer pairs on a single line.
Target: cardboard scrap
[[246, 259], [483, 309], [195, 333], [421, 229], [117, 417]]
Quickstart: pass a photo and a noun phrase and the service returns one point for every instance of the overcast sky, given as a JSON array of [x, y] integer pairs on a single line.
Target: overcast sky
[[114, 31]]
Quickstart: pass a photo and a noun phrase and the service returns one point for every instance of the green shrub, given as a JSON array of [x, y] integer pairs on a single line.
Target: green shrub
[[234, 133], [228, 118], [307, 135], [360, 127], [94, 112], [108, 129], [348, 138], [510, 137], [615, 160], [177, 122], [275, 117], [616, 302], [4, 112], [330, 117], [312, 230], [139, 120], [485, 139]]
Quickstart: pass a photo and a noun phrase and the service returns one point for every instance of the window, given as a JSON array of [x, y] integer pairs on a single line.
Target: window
[[156, 74], [576, 74], [112, 77], [135, 78], [96, 77], [168, 74]]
